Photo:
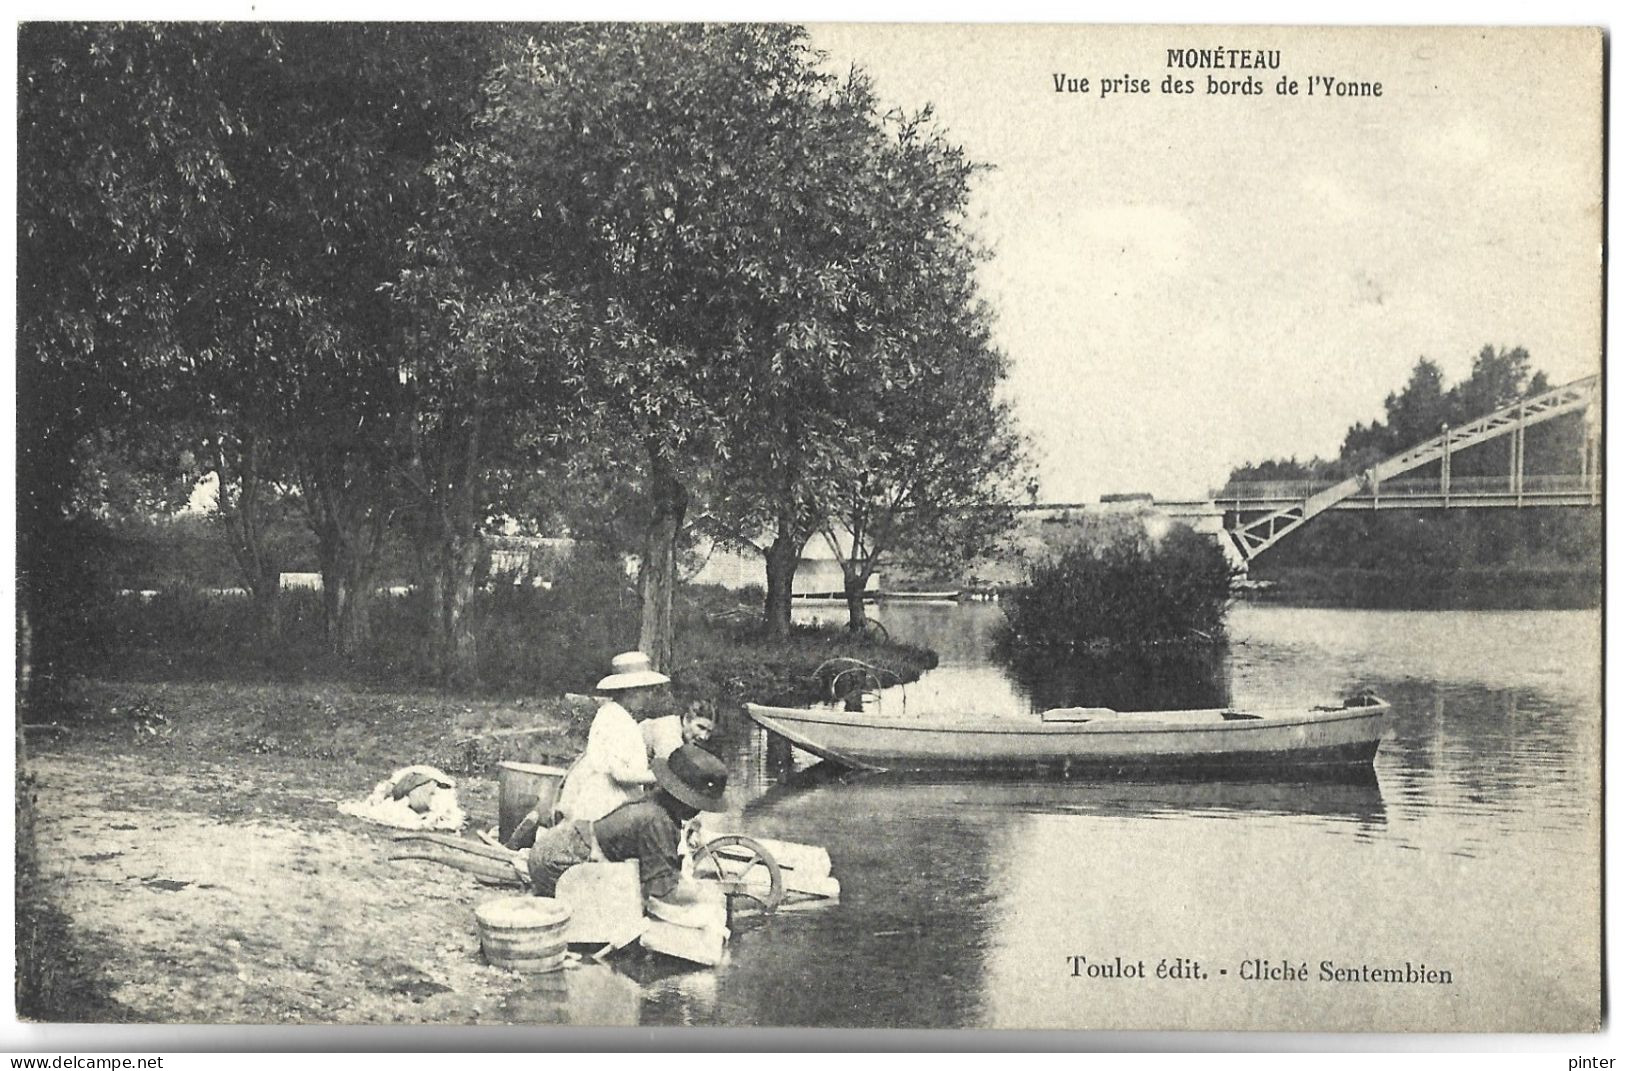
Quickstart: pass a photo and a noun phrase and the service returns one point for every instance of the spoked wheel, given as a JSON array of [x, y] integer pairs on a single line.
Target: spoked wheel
[[743, 868]]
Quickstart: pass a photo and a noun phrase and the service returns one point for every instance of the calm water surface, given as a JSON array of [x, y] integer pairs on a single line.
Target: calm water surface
[[1473, 849]]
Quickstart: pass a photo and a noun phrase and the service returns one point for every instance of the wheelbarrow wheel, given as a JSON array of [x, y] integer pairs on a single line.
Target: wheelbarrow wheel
[[743, 868]]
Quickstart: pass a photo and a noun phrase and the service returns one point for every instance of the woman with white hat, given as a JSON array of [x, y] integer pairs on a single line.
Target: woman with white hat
[[615, 767]]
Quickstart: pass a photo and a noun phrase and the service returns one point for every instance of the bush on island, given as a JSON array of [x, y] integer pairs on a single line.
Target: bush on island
[[1134, 590]]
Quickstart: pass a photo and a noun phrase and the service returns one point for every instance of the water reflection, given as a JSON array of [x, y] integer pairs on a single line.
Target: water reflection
[[1353, 795], [1183, 678], [591, 994], [976, 676], [1481, 817]]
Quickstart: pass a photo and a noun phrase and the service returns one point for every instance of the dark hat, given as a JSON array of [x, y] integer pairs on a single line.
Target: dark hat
[[693, 775]]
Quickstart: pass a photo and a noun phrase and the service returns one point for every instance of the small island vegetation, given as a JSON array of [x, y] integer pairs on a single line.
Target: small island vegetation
[[1135, 589]]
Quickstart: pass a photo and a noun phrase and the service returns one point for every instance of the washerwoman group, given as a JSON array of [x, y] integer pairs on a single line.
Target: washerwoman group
[[632, 791]]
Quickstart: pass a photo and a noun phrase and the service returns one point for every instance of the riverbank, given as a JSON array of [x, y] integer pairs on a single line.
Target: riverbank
[[177, 882], [182, 828], [182, 831], [1497, 588]]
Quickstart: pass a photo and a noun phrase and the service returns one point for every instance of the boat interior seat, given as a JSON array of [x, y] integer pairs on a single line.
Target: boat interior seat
[[1079, 714]]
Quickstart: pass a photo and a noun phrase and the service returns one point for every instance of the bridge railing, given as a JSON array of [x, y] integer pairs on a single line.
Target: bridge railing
[[1271, 490], [1415, 487]]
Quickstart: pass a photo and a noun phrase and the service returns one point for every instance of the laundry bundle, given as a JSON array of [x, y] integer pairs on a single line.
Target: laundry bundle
[[417, 797]]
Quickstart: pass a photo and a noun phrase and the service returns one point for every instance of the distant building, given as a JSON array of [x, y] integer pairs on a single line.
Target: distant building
[[515, 553], [818, 573]]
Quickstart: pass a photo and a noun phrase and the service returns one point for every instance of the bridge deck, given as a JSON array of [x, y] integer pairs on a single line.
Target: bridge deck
[[1464, 492]]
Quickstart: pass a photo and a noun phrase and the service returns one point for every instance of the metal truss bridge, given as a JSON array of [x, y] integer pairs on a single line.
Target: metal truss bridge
[[1265, 512]]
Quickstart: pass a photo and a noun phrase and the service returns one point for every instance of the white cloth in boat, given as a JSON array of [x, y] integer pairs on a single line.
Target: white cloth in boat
[[1078, 714], [613, 770]]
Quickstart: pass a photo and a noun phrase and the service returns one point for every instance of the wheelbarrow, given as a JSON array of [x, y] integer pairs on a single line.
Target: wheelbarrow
[[743, 868]]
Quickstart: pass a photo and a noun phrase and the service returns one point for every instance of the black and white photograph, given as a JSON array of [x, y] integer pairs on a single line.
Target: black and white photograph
[[948, 526]]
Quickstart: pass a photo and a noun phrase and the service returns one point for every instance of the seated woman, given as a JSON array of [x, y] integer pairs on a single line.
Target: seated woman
[[614, 768], [648, 830]]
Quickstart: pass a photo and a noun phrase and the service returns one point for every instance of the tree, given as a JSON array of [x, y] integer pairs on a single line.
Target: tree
[[493, 349], [360, 112], [944, 473], [795, 446], [220, 203], [484, 372], [856, 433], [301, 368], [121, 172], [934, 462], [691, 211]]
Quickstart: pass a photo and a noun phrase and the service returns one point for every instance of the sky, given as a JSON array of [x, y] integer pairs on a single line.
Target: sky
[[1184, 283]]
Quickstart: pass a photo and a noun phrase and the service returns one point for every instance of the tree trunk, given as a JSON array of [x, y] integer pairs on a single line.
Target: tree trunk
[[45, 569], [347, 593], [657, 574], [349, 518], [427, 580], [353, 627], [243, 514], [463, 555], [444, 528], [265, 589], [783, 556], [854, 582], [450, 557]]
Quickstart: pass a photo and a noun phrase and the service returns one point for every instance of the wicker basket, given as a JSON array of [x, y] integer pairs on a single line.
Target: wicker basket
[[523, 933]]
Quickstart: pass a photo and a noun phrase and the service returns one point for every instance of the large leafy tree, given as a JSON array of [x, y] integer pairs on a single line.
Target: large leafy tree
[[933, 463], [302, 351], [365, 110], [687, 184], [122, 173], [942, 471], [495, 347], [852, 236], [890, 434], [210, 212]]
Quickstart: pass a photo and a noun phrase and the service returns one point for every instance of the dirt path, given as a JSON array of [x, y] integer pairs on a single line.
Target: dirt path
[[240, 895]]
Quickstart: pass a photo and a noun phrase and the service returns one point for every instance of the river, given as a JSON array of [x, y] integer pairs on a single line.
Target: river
[[1474, 850]]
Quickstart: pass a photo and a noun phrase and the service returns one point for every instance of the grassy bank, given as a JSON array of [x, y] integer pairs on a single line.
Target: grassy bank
[[188, 670], [1497, 588], [531, 642]]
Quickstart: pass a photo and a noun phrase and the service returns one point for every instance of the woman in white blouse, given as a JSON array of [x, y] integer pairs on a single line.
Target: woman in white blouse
[[615, 767]]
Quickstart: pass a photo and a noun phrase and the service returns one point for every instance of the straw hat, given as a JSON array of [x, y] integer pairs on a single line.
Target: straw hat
[[693, 775], [631, 670]]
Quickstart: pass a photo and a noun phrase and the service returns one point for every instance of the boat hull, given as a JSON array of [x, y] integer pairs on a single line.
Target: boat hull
[[1178, 741]]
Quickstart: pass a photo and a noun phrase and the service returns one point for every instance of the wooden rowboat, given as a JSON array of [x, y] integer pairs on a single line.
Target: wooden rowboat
[[1085, 739]]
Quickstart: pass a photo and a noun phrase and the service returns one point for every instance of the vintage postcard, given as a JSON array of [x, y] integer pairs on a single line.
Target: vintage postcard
[[864, 525]]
